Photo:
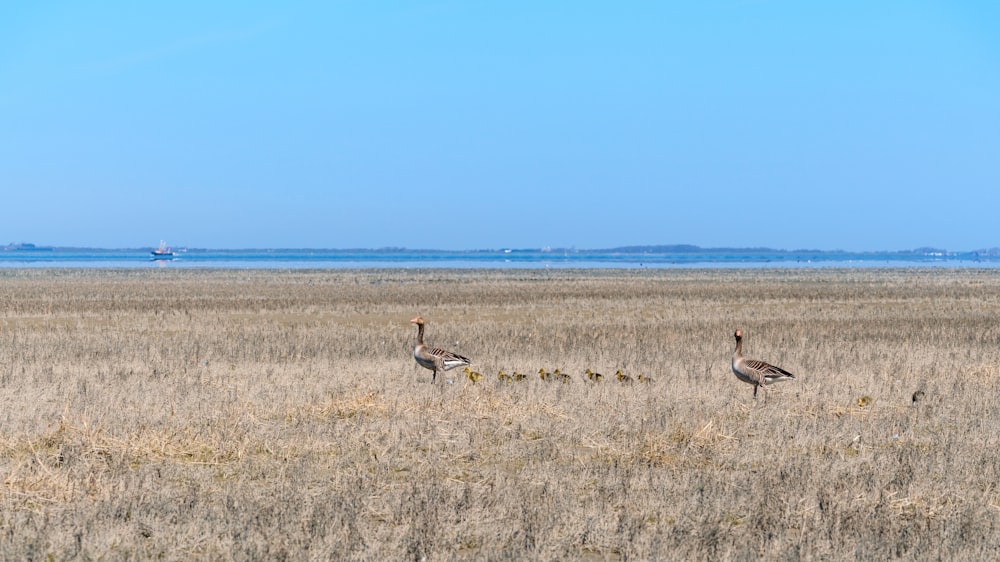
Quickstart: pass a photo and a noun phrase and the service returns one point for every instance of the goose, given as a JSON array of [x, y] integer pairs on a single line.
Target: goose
[[504, 377], [473, 375], [644, 379], [755, 372], [544, 375], [623, 378], [519, 376], [596, 377], [562, 377], [434, 358]]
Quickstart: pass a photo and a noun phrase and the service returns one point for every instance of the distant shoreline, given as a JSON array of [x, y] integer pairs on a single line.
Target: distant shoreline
[[658, 249]]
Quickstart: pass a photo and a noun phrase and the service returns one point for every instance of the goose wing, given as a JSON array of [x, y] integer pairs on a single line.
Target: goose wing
[[449, 358], [763, 370]]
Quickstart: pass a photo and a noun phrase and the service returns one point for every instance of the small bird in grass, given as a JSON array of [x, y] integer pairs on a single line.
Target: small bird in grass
[[562, 377], [473, 375], [595, 377], [434, 358], [644, 379], [519, 376], [504, 377], [756, 372], [622, 377], [544, 375]]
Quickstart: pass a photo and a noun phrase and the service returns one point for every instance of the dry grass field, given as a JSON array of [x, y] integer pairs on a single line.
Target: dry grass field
[[249, 415]]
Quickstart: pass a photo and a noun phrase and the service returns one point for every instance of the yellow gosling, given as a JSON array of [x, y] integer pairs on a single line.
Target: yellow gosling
[[473, 375]]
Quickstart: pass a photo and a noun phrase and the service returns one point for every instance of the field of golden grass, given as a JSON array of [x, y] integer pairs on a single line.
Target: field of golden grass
[[177, 415]]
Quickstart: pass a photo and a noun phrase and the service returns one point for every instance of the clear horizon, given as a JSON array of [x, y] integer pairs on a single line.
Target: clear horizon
[[455, 126]]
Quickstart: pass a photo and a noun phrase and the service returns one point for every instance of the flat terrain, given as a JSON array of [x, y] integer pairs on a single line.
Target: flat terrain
[[177, 415]]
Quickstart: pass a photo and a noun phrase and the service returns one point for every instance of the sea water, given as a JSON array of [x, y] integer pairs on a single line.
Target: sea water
[[489, 259]]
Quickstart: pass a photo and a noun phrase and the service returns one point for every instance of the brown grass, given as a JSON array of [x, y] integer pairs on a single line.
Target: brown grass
[[280, 415]]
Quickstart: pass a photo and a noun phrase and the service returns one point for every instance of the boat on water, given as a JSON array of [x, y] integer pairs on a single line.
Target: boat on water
[[164, 252]]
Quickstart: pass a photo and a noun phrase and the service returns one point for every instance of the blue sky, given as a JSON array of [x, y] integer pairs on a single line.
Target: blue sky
[[851, 125]]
